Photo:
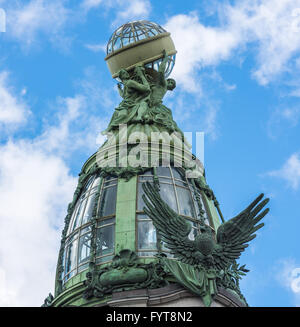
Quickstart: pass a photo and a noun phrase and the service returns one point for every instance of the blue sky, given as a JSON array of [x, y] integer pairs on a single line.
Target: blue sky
[[237, 72]]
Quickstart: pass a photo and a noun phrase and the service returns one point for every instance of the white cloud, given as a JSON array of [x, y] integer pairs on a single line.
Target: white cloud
[[295, 93], [288, 275], [76, 127], [90, 4], [273, 26], [290, 171], [197, 46], [124, 10], [79, 132], [59, 137], [26, 21], [281, 119], [96, 47], [270, 27], [13, 110], [7, 294], [35, 188], [210, 121], [131, 10], [291, 115]]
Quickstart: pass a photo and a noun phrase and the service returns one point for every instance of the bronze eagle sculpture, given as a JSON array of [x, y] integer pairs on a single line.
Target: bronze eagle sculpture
[[206, 250]]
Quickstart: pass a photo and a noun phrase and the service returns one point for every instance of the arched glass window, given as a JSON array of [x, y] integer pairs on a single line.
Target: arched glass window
[[79, 237], [179, 194], [106, 221]]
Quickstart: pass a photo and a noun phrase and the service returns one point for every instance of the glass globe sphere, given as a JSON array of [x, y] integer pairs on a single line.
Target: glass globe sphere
[[131, 33], [137, 33]]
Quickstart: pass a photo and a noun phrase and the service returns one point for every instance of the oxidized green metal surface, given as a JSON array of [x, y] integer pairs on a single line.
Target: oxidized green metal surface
[[124, 273], [125, 214], [201, 265], [205, 255], [142, 92]]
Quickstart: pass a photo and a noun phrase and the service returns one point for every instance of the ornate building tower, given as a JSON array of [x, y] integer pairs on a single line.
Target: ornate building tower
[[144, 228]]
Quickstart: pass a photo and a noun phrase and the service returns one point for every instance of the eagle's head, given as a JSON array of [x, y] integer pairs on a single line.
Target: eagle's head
[[204, 241]]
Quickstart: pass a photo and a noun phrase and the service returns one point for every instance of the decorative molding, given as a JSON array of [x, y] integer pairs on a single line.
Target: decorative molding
[[48, 301], [124, 273]]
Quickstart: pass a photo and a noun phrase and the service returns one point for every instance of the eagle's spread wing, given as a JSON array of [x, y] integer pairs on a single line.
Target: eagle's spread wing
[[233, 236], [172, 228]]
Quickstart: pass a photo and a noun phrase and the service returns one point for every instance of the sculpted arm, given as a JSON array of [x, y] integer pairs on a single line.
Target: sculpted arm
[[143, 88], [162, 68], [121, 91]]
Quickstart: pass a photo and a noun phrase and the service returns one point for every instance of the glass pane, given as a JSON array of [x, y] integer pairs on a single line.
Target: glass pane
[[88, 184], [166, 250], [185, 202], [108, 201], [85, 229], [71, 274], [125, 41], [140, 201], [89, 209], [105, 240], [194, 230], [73, 218], [106, 222], [165, 180], [168, 195], [104, 259], [142, 216], [117, 44], [146, 235], [163, 246], [147, 254], [109, 49], [192, 234], [142, 36], [112, 182], [197, 206], [148, 172], [83, 267], [79, 214], [163, 171], [180, 183], [166, 192], [71, 256], [109, 178], [203, 208], [84, 248], [146, 178], [178, 173], [96, 181]]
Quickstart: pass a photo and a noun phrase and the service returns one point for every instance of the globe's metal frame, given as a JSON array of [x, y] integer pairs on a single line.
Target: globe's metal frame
[[139, 42], [132, 32]]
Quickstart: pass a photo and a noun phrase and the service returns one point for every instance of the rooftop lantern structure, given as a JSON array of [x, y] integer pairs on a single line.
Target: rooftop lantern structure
[[144, 228]]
